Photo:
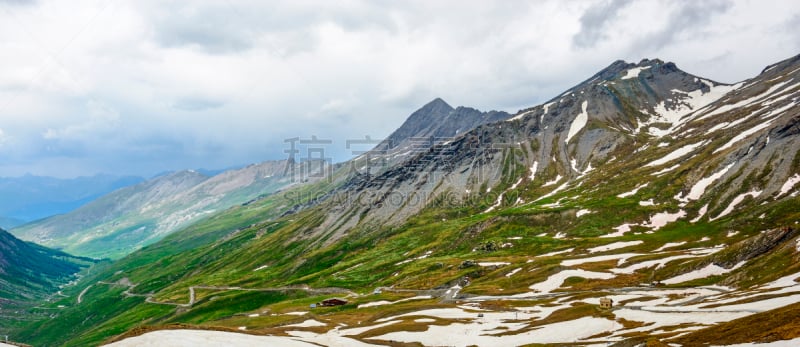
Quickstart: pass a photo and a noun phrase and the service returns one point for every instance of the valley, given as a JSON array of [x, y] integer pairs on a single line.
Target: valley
[[670, 194]]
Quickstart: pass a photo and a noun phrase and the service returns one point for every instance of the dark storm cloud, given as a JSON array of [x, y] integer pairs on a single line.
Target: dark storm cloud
[[595, 20], [687, 22], [228, 27]]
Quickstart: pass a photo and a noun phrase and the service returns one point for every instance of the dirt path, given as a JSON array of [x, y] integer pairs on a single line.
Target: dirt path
[[192, 296], [80, 296]]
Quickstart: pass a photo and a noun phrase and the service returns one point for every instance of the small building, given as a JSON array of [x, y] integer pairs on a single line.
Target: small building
[[606, 303], [333, 302]]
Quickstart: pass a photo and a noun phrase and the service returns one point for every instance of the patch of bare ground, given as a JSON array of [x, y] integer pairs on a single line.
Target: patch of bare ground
[[620, 281], [639, 299], [774, 325], [749, 300], [646, 341]]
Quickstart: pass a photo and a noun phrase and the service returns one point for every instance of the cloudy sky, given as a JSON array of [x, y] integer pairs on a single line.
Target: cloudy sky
[[140, 87]]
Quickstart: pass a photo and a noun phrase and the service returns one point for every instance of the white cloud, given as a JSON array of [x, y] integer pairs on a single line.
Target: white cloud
[[208, 83]]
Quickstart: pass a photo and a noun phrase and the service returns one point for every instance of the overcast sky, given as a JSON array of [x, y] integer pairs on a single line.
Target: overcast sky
[[140, 87]]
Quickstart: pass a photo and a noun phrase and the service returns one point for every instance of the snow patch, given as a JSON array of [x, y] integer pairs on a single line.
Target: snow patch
[[647, 203], [557, 252], [520, 116], [632, 192], [615, 245], [685, 104], [558, 189], [483, 332], [663, 171], [710, 270], [748, 101], [513, 272], [744, 135], [533, 170], [719, 126], [621, 230], [296, 313], [676, 154], [736, 201], [554, 181], [580, 121], [385, 302], [634, 72], [307, 324], [496, 263], [190, 338], [661, 219], [670, 245], [700, 187], [555, 281], [621, 259], [516, 184], [700, 214], [582, 213], [787, 187]]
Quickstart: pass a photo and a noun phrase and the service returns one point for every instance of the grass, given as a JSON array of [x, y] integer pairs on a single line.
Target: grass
[[779, 324], [224, 250]]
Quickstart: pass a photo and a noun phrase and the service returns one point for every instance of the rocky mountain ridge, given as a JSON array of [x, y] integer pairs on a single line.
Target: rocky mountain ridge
[[672, 194]]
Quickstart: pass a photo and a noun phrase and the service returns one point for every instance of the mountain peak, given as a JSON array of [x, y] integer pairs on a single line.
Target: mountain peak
[[650, 62], [615, 68], [618, 68], [436, 106], [437, 119]]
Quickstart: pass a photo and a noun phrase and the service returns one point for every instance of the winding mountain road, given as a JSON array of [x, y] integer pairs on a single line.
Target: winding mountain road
[[192, 296]]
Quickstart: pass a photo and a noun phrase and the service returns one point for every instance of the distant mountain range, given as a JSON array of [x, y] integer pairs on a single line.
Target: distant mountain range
[[28, 198], [129, 218]]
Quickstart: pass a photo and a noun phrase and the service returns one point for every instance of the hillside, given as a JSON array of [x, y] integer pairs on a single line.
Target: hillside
[[127, 219], [671, 194], [30, 273]]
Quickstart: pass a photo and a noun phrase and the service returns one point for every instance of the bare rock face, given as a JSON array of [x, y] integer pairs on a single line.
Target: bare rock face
[[753, 247], [433, 124], [626, 110]]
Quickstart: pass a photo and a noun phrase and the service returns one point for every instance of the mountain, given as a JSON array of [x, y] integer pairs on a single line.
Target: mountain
[[27, 198], [126, 219], [28, 269], [436, 122], [30, 273], [673, 195], [129, 218]]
